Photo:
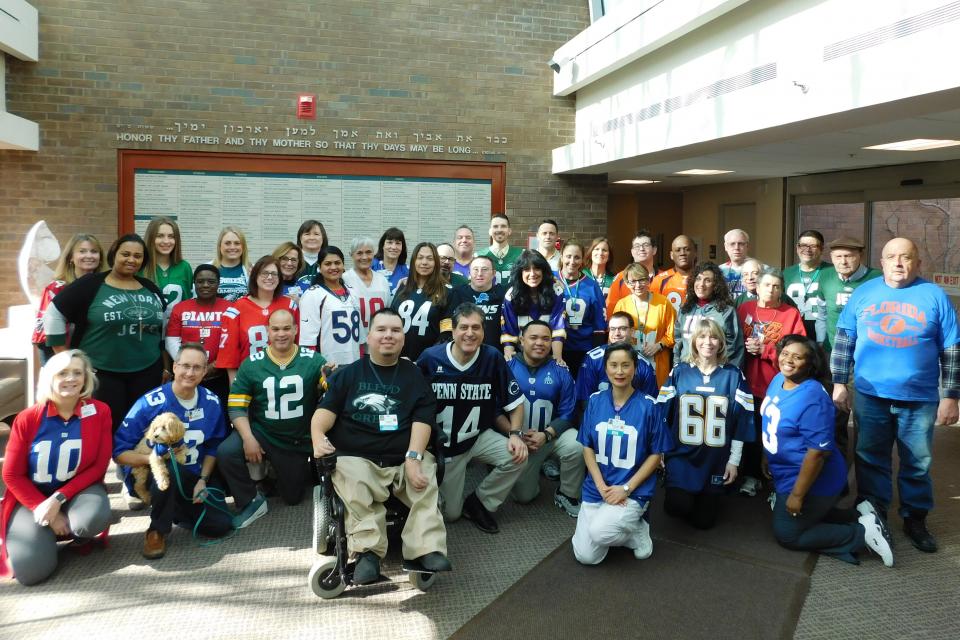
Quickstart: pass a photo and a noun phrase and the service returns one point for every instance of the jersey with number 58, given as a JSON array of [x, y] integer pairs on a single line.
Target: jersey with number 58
[[205, 424], [331, 324], [705, 413], [244, 329], [468, 396], [279, 400]]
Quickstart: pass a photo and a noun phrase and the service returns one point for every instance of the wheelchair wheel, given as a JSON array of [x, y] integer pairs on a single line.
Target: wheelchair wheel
[[324, 579], [321, 520], [422, 581]]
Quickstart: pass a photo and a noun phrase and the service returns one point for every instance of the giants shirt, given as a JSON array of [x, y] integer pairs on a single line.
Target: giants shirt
[[191, 321]]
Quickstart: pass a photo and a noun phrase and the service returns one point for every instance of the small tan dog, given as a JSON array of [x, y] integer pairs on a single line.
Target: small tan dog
[[164, 433]]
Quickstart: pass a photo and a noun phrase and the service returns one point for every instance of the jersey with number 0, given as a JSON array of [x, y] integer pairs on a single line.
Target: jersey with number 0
[[469, 396], [622, 441], [704, 413], [592, 376], [548, 391], [423, 321], [279, 400], [330, 324], [795, 420], [205, 424], [244, 329], [371, 298], [586, 312]]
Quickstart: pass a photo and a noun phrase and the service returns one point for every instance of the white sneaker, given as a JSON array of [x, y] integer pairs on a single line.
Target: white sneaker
[[643, 545], [876, 538], [867, 508], [750, 486], [551, 469]]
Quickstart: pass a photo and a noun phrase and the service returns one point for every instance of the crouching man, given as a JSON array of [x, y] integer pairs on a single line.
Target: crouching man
[[376, 416]]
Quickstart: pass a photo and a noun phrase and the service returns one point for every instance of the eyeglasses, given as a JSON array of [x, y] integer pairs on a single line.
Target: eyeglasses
[[642, 245], [293, 260], [446, 259], [481, 270], [191, 368], [808, 247], [636, 283], [269, 275]]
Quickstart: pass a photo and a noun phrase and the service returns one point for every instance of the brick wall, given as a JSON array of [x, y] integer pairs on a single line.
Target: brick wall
[[410, 65]]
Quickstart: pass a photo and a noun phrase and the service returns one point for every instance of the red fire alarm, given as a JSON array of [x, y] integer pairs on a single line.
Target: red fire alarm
[[306, 107]]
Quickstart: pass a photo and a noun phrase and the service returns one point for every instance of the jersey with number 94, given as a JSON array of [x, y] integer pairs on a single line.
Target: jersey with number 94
[[705, 413], [468, 396], [423, 321], [279, 400], [331, 324], [205, 423]]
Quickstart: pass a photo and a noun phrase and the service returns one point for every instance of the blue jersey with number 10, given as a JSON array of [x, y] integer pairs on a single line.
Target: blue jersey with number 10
[[622, 441], [548, 394], [593, 376]]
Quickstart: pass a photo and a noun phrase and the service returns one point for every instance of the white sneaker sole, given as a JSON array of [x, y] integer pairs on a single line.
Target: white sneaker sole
[[875, 539], [259, 513]]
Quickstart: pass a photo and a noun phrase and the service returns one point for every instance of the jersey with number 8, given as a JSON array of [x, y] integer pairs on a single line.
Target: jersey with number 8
[[244, 329]]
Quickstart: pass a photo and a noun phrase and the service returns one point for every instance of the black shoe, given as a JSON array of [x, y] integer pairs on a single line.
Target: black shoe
[[367, 569], [474, 511], [434, 561], [916, 530]]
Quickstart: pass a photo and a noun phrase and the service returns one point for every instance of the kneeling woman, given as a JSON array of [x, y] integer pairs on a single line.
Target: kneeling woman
[[55, 462], [709, 407], [622, 440], [807, 469]]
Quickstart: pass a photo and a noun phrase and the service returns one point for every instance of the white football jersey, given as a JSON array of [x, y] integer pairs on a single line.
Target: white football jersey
[[371, 298], [330, 324]]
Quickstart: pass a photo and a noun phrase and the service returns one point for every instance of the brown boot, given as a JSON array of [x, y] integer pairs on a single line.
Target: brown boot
[[154, 545]]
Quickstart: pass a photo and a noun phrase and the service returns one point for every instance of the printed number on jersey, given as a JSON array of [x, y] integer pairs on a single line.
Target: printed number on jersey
[[419, 319], [345, 330], [68, 460], [538, 414], [576, 309], [288, 404], [610, 445], [769, 435], [469, 429], [703, 420]]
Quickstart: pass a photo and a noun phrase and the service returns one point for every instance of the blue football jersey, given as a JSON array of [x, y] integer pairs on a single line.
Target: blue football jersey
[[586, 312], [795, 420], [514, 322], [469, 396], [705, 413], [205, 424], [592, 376], [54, 455], [548, 394], [622, 441]]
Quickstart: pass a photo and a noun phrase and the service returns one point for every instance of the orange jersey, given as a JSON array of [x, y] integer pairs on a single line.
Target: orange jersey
[[244, 329], [672, 286]]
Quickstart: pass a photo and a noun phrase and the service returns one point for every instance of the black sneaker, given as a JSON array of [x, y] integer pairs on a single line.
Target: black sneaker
[[434, 561], [367, 569], [474, 511], [916, 530]]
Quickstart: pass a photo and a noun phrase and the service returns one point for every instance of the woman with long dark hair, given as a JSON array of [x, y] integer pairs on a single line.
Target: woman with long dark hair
[[330, 313], [533, 295], [708, 296], [422, 301]]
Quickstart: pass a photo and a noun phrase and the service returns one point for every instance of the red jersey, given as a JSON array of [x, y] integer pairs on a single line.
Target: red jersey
[[672, 286], [201, 323], [769, 325], [244, 329], [39, 336]]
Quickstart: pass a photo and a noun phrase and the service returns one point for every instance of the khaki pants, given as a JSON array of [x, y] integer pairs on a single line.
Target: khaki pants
[[490, 447], [572, 468], [364, 487]]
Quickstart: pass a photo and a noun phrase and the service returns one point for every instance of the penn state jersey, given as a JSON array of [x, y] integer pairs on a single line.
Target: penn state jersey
[[548, 393], [423, 320], [586, 312], [795, 420], [205, 423], [330, 324], [622, 441], [592, 376], [705, 413], [469, 396]]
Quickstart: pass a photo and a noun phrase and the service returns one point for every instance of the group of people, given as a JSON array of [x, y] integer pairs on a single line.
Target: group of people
[[545, 361]]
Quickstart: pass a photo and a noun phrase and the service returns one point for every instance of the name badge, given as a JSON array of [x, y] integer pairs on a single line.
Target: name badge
[[716, 480], [88, 410], [389, 422], [195, 414], [616, 427], [204, 332]]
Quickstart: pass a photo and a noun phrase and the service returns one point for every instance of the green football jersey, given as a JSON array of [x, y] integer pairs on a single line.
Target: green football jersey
[[502, 266], [835, 293], [176, 283], [280, 400]]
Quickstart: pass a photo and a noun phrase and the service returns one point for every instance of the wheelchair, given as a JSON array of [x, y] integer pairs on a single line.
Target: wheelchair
[[331, 574]]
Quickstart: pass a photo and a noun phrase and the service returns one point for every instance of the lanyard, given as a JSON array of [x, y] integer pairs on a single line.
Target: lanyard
[[396, 369], [642, 326], [566, 285]]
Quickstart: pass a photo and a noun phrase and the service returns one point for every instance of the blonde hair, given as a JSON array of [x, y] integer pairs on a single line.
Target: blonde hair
[[708, 326], [58, 363], [244, 260], [638, 271], [65, 269]]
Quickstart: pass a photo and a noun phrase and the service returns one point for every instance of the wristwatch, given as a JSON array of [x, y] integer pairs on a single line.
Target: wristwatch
[[414, 455], [517, 433], [549, 435], [626, 489], [59, 497]]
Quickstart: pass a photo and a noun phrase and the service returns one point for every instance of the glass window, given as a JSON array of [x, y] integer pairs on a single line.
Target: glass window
[[832, 220], [933, 224]]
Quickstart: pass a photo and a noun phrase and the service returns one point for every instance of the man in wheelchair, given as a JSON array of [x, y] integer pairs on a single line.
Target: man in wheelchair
[[376, 415]]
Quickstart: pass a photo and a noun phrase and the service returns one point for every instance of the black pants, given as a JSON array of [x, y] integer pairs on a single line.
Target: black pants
[[698, 509], [292, 467], [753, 451], [120, 390], [574, 360], [220, 387], [171, 507]]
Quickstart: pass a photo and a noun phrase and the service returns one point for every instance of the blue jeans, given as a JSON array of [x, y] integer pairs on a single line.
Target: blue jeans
[[910, 424], [820, 527]]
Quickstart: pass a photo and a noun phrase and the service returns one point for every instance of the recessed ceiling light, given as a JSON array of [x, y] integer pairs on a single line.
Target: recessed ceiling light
[[636, 182], [918, 144], [701, 172]]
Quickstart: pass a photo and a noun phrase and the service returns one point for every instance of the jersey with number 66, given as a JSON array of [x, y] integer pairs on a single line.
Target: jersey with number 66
[[280, 400], [705, 413], [468, 396], [205, 424], [330, 324], [243, 329]]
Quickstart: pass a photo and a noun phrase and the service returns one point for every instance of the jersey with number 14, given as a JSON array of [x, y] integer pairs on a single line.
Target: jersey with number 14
[[280, 399], [330, 324], [469, 396], [705, 413]]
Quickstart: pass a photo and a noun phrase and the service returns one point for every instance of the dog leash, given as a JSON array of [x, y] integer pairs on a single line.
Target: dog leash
[[211, 495]]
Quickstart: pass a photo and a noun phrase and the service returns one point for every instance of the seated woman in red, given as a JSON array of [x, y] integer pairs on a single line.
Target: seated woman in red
[[55, 462]]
